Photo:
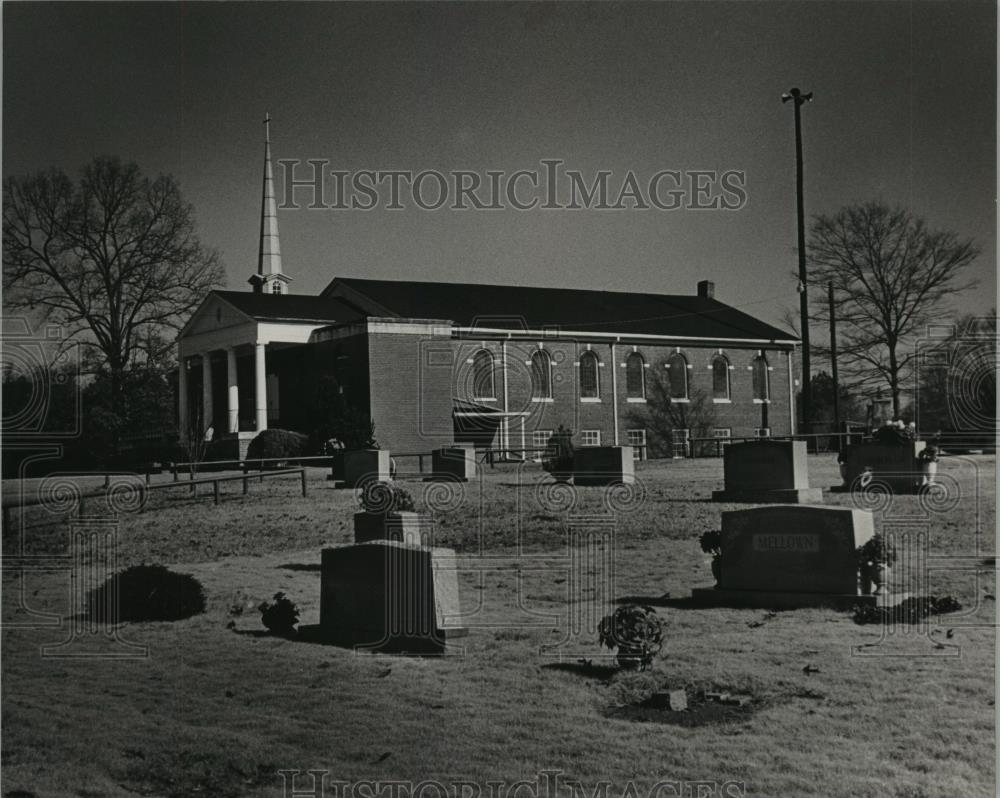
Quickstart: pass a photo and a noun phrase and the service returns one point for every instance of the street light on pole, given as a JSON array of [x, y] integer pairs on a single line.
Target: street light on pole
[[799, 99]]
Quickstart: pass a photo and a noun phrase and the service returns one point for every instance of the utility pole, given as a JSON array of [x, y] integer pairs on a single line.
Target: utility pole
[[798, 100], [833, 358]]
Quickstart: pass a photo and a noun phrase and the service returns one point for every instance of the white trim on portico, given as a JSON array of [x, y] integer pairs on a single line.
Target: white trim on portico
[[219, 326]]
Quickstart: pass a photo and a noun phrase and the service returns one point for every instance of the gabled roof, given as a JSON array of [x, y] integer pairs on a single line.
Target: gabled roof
[[571, 310], [289, 307]]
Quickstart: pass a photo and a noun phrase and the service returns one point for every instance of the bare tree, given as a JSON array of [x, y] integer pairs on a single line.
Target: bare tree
[[891, 275], [113, 258], [662, 416]]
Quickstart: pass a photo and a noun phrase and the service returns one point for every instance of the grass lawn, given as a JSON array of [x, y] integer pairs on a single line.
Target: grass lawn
[[218, 707]]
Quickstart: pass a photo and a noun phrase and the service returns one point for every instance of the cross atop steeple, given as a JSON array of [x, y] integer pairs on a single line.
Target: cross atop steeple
[[269, 277]]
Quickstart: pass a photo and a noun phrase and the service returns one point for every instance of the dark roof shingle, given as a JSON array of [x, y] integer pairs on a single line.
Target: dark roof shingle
[[289, 307], [511, 307]]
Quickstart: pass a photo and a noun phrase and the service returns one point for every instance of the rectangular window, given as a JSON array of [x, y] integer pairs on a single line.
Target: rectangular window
[[590, 437], [722, 432], [762, 432], [540, 440], [637, 440], [679, 442]]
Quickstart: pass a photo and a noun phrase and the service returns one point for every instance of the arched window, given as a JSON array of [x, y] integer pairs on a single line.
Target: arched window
[[677, 376], [635, 376], [589, 385], [541, 375], [761, 386], [720, 377], [482, 376]]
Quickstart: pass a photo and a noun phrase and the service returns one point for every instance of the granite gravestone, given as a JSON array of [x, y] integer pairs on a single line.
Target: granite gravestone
[[603, 465], [390, 596], [895, 466], [454, 463], [790, 556], [364, 465], [767, 471]]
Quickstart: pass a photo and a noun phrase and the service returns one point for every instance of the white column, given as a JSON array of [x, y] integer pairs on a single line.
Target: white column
[[260, 387], [182, 397], [233, 404], [206, 393]]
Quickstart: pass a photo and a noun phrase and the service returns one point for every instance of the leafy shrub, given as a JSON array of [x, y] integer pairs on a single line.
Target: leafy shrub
[[281, 616], [875, 551], [275, 443], [559, 455], [636, 631], [386, 497], [711, 542], [147, 593]]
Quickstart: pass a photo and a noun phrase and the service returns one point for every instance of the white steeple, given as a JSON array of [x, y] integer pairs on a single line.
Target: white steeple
[[269, 278]]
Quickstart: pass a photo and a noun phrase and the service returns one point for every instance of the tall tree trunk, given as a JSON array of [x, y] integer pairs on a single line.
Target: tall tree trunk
[[894, 379]]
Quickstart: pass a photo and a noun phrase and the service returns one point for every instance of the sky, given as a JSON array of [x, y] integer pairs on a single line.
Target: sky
[[904, 111]]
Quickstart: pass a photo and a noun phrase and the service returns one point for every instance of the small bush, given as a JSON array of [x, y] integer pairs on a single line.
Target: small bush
[[147, 593], [386, 497], [711, 542], [281, 616], [273, 443], [877, 550], [636, 631]]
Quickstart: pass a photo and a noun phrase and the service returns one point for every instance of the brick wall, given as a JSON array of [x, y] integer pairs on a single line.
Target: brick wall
[[741, 414], [410, 379]]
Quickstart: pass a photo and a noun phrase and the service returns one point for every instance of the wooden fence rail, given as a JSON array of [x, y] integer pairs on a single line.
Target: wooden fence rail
[[145, 488]]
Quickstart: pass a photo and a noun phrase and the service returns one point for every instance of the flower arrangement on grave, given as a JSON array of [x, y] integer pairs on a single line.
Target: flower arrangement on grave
[[636, 631], [558, 459], [875, 557], [930, 453], [896, 433], [281, 616], [386, 497], [711, 543]]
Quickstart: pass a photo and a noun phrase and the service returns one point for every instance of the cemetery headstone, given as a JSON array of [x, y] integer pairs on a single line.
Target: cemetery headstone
[[390, 596], [896, 466], [454, 462], [766, 471], [603, 465], [791, 556], [361, 465]]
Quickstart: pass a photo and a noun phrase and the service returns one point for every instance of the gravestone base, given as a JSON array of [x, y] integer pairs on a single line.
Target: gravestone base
[[773, 599], [788, 496]]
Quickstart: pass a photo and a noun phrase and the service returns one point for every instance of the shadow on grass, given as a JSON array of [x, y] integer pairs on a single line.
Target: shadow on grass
[[686, 603], [603, 672], [302, 566], [314, 634]]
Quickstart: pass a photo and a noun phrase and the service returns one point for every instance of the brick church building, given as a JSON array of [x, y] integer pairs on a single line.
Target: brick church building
[[499, 366]]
